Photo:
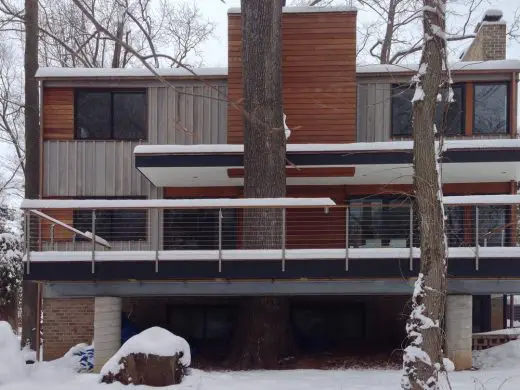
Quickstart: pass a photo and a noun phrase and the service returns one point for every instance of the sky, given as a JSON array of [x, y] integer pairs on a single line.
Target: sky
[[215, 50]]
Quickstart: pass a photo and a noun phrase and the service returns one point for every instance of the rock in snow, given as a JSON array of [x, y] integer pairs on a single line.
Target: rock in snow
[[154, 357]]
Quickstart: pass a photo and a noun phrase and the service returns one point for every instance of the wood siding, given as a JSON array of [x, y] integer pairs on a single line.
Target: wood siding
[[374, 119], [319, 77], [58, 113]]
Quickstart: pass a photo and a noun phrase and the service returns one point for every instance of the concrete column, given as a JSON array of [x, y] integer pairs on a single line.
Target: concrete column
[[459, 316], [107, 329]]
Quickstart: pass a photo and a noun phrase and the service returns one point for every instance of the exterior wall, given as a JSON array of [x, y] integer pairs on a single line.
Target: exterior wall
[[459, 330], [489, 44], [66, 322], [58, 113], [107, 329], [319, 76]]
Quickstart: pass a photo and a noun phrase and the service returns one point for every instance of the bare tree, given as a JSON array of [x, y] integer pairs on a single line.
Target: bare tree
[[423, 357], [30, 315], [263, 329]]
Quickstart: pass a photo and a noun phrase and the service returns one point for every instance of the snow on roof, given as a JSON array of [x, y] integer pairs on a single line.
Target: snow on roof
[[152, 341], [51, 73], [309, 148], [305, 9], [174, 203], [494, 13], [86, 73], [461, 66]]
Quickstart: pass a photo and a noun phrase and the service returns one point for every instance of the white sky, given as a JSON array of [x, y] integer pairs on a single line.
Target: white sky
[[215, 50]]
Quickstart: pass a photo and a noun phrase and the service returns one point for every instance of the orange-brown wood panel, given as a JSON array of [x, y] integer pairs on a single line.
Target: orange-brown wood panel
[[58, 114], [514, 103], [202, 192], [468, 109], [304, 172], [319, 77], [514, 213], [60, 234]]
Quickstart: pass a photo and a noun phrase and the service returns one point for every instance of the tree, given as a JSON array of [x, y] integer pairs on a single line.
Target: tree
[[423, 357], [30, 315], [263, 331], [11, 270]]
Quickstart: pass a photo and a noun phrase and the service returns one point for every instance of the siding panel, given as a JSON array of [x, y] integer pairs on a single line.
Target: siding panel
[[374, 117]]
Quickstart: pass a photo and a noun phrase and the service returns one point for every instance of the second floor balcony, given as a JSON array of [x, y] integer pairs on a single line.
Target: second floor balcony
[[192, 239]]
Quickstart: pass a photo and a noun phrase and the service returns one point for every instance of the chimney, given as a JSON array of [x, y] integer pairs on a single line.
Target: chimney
[[490, 41]]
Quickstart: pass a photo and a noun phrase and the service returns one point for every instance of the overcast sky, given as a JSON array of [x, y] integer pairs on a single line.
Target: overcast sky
[[215, 50]]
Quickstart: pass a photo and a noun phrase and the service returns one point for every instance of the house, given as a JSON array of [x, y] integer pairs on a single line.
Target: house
[[141, 212]]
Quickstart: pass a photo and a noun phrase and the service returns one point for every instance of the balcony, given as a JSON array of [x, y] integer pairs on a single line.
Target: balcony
[[201, 239]]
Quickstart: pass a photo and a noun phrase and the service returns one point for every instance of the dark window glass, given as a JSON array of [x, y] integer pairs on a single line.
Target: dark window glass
[[93, 115], [198, 229], [492, 225], [455, 225], [118, 115], [491, 106], [129, 115], [113, 225], [447, 116], [379, 223]]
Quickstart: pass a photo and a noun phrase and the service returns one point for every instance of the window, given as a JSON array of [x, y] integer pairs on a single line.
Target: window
[[377, 222], [455, 226], [113, 225], [448, 117], [198, 229], [491, 108], [493, 225], [110, 115]]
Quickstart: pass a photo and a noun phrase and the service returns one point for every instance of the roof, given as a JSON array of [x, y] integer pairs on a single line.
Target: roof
[[305, 9], [362, 70]]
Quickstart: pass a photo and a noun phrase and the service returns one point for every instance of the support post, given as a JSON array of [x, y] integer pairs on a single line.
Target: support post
[[28, 240], [157, 240], [459, 321], [347, 215], [219, 240], [52, 236], [107, 329], [477, 259], [93, 241], [511, 311], [284, 234], [411, 237]]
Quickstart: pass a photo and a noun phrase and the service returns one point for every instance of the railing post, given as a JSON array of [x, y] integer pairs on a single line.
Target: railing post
[[93, 241], [74, 236], [476, 239], [27, 218], [52, 236], [157, 239], [219, 240], [284, 234], [347, 215], [411, 237]]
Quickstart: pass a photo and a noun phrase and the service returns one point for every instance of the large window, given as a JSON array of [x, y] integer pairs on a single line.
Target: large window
[[113, 225], [493, 226], [448, 117], [198, 229], [491, 108], [110, 115]]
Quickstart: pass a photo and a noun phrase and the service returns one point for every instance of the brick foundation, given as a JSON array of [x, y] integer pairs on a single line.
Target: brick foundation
[[66, 322]]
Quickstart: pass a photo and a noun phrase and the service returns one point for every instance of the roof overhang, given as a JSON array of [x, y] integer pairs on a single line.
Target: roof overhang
[[464, 161]]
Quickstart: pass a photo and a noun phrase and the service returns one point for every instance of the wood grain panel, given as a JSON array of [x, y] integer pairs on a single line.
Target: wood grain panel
[[513, 106], [58, 114], [304, 172], [319, 77], [60, 234], [468, 109]]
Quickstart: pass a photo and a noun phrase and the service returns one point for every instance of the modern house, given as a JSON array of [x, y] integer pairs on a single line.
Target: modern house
[[141, 213]]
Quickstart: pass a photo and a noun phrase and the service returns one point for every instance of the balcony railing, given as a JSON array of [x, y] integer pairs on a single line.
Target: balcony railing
[[165, 231]]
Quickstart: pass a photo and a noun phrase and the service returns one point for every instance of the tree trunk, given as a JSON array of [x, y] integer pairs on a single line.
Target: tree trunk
[[423, 358], [30, 316], [263, 335], [116, 59], [386, 47]]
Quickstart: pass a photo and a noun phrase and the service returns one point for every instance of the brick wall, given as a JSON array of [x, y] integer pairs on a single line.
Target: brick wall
[[489, 44], [66, 322]]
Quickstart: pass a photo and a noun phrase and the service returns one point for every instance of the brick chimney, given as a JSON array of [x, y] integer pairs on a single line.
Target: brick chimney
[[490, 41]]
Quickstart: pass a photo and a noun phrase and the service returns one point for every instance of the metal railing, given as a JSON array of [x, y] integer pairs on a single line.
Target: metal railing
[[207, 233]]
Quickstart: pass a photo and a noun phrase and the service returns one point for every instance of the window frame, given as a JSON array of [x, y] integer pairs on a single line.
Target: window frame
[[404, 86], [109, 239], [111, 91], [508, 107]]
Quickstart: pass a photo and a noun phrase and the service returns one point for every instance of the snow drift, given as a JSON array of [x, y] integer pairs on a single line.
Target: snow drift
[[502, 356], [12, 363]]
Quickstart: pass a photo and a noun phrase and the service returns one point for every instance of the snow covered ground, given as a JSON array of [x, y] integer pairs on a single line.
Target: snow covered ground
[[499, 369]]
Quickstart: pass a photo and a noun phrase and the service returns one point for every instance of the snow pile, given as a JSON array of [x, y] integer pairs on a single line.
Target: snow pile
[[153, 341], [503, 356], [12, 363]]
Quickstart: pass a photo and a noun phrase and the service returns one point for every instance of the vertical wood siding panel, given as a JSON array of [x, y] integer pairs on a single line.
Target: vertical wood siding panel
[[152, 115], [222, 117], [360, 131], [162, 116], [171, 116], [371, 97], [387, 112], [379, 113]]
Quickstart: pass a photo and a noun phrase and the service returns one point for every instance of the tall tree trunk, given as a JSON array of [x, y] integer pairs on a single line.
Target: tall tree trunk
[[386, 47], [30, 316], [116, 59], [263, 334], [423, 358]]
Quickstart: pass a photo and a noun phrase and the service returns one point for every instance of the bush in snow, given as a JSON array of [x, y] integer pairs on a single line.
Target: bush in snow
[[154, 357], [12, 363], [11, 270], [81, 357]]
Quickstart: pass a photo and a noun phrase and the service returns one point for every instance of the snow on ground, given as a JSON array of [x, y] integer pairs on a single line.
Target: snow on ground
[[500, 369]]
